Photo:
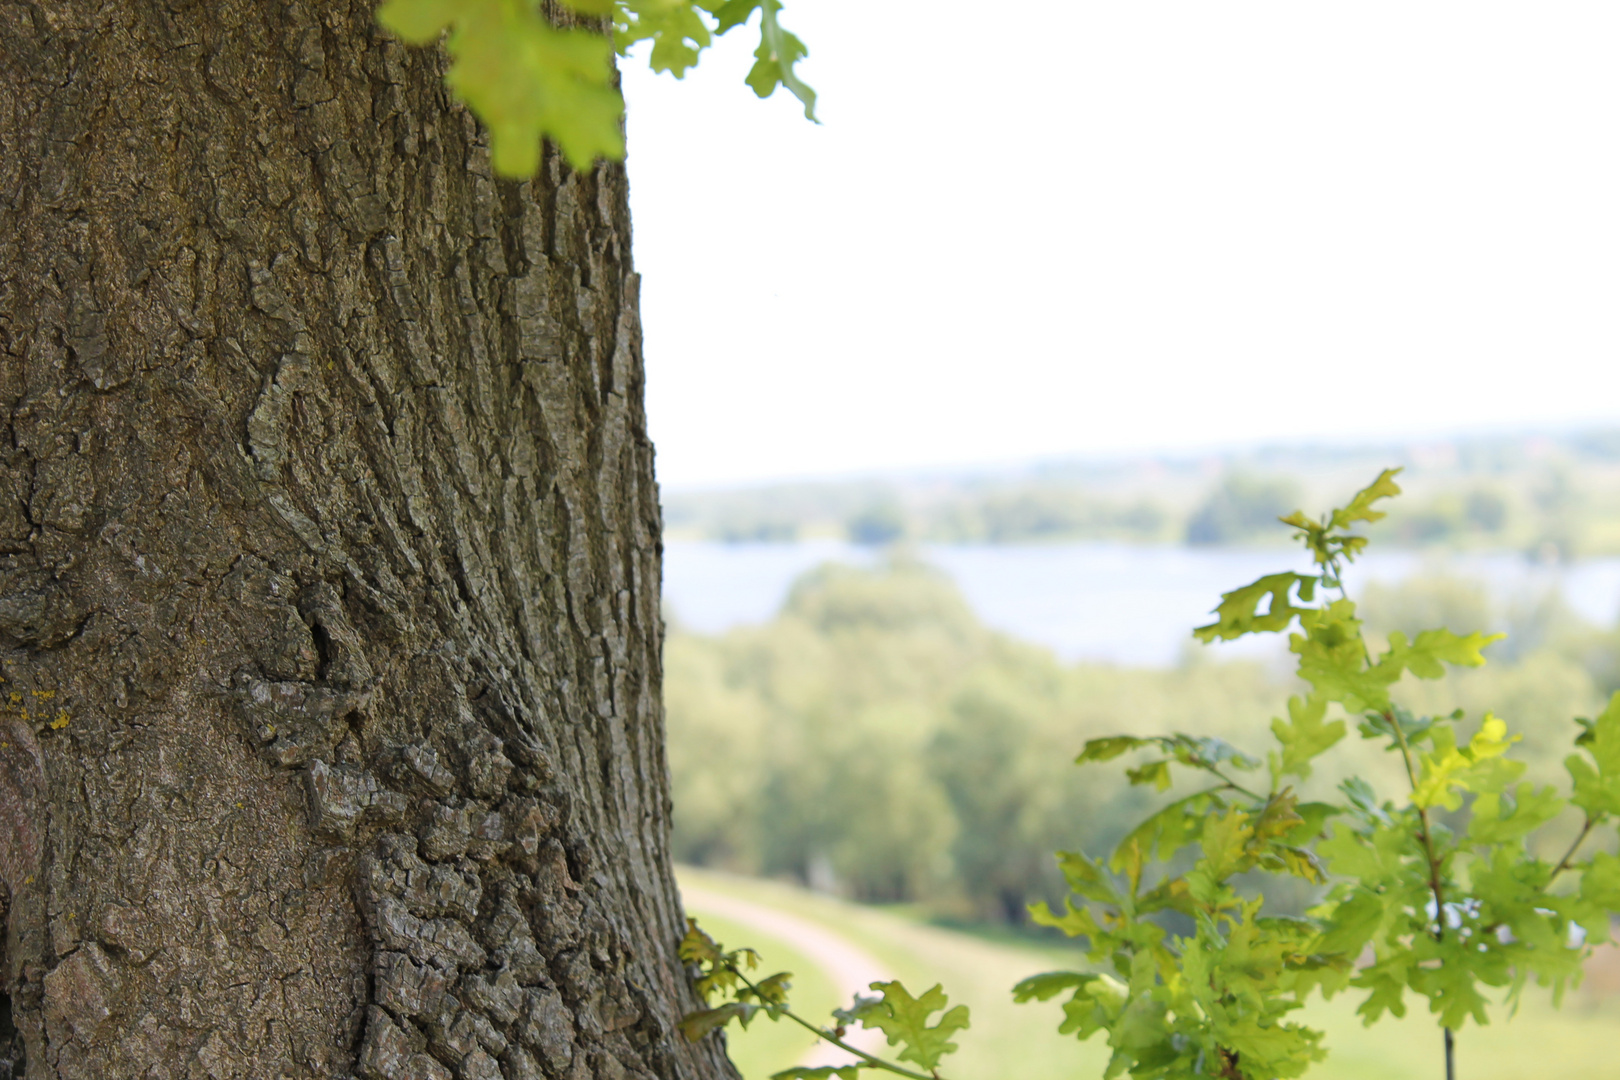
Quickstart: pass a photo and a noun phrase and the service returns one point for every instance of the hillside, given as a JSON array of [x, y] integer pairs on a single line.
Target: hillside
[[1019, 1042]]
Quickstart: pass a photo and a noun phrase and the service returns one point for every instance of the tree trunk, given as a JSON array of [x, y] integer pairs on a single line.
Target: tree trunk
[[329, 571]]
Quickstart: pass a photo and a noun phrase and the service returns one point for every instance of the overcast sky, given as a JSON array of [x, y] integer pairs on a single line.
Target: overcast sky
[[1067, 227]]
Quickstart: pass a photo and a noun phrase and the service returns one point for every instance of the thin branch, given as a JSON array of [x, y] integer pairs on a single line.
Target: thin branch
[[1233, 784], [1564, 863], [1424, 833], [1434, 876]]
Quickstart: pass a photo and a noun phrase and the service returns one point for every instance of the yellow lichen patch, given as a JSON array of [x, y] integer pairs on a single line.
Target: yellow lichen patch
[[61, 720]]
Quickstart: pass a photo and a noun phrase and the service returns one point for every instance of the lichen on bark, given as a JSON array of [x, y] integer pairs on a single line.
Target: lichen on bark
[[327, 517]]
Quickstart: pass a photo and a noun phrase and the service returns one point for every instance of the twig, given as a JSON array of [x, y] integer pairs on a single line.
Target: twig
[[1434, 875], [1563, 864]]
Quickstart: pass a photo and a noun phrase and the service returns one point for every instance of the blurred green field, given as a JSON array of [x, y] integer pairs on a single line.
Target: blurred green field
[[1009, 1041]]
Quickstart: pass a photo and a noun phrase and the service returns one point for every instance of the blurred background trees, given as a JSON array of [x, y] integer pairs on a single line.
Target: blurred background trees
[[1554, 497], [877, 741]]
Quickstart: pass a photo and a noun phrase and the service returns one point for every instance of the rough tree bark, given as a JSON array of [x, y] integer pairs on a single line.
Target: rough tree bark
[[329, 571]]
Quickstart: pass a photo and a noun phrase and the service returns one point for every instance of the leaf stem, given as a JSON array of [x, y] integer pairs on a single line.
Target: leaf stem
[[1233, 784], [1564, 863], [1423, 830], [1434, 874], [875, 1062]]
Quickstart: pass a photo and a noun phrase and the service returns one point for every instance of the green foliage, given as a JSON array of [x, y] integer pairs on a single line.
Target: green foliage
[[529, 79], [1452, 903], [904, 1018]]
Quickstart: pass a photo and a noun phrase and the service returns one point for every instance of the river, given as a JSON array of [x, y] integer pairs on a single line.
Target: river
[[1120, 603]]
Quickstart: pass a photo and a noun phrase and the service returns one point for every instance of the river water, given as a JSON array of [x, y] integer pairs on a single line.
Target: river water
[[1122, 603]]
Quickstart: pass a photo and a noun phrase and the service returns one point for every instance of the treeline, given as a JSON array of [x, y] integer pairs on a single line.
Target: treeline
[[876, 740], [1555, 498]]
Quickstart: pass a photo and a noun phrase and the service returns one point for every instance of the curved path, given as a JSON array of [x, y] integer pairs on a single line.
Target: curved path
[[851, 970]]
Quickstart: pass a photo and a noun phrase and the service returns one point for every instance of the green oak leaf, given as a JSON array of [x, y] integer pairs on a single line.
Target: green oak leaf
[[1353, 922], [1092, 1008], [698, 1024], [1238, 612], [1106, 749], [1600, 896], [1086, 877], [1304, 736], [1387, 980], [1156, 773], [1503, 817], [1360, 506], [1324, 540], [1480, 767], [777, 54], [1371, 859], [1363, 800], [820, 1072], [904, 1019], [1075, 922], [1166, 831], [1097, 1001], [1313, 820], [1332, 658], [773, 990], [1050, 984], [678, 32], [525, 78], [1427, 655], [1452, 984], [1596, 771], [1171, 894], [1225, 842]]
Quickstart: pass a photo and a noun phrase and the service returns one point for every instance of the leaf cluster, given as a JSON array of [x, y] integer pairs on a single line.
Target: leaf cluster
[[528, 78], [719, 971], [903, 1017], [1435, 893]]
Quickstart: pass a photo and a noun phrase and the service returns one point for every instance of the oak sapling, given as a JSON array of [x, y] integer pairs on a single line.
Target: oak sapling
[[1449, 906], [1195, 977]]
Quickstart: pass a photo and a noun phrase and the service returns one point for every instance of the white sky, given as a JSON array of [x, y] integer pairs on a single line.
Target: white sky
[[1069, 227]]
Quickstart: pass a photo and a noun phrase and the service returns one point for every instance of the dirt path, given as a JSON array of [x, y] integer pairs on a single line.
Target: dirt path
[[851, 970]]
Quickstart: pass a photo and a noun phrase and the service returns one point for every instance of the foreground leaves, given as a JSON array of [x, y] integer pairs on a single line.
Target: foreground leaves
[[528, 79]]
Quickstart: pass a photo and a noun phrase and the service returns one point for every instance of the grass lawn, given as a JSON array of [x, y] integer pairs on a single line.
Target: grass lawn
[[1020, 1042]]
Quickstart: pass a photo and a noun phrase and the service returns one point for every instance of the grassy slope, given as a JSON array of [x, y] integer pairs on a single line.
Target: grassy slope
[[1019, 1042]]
